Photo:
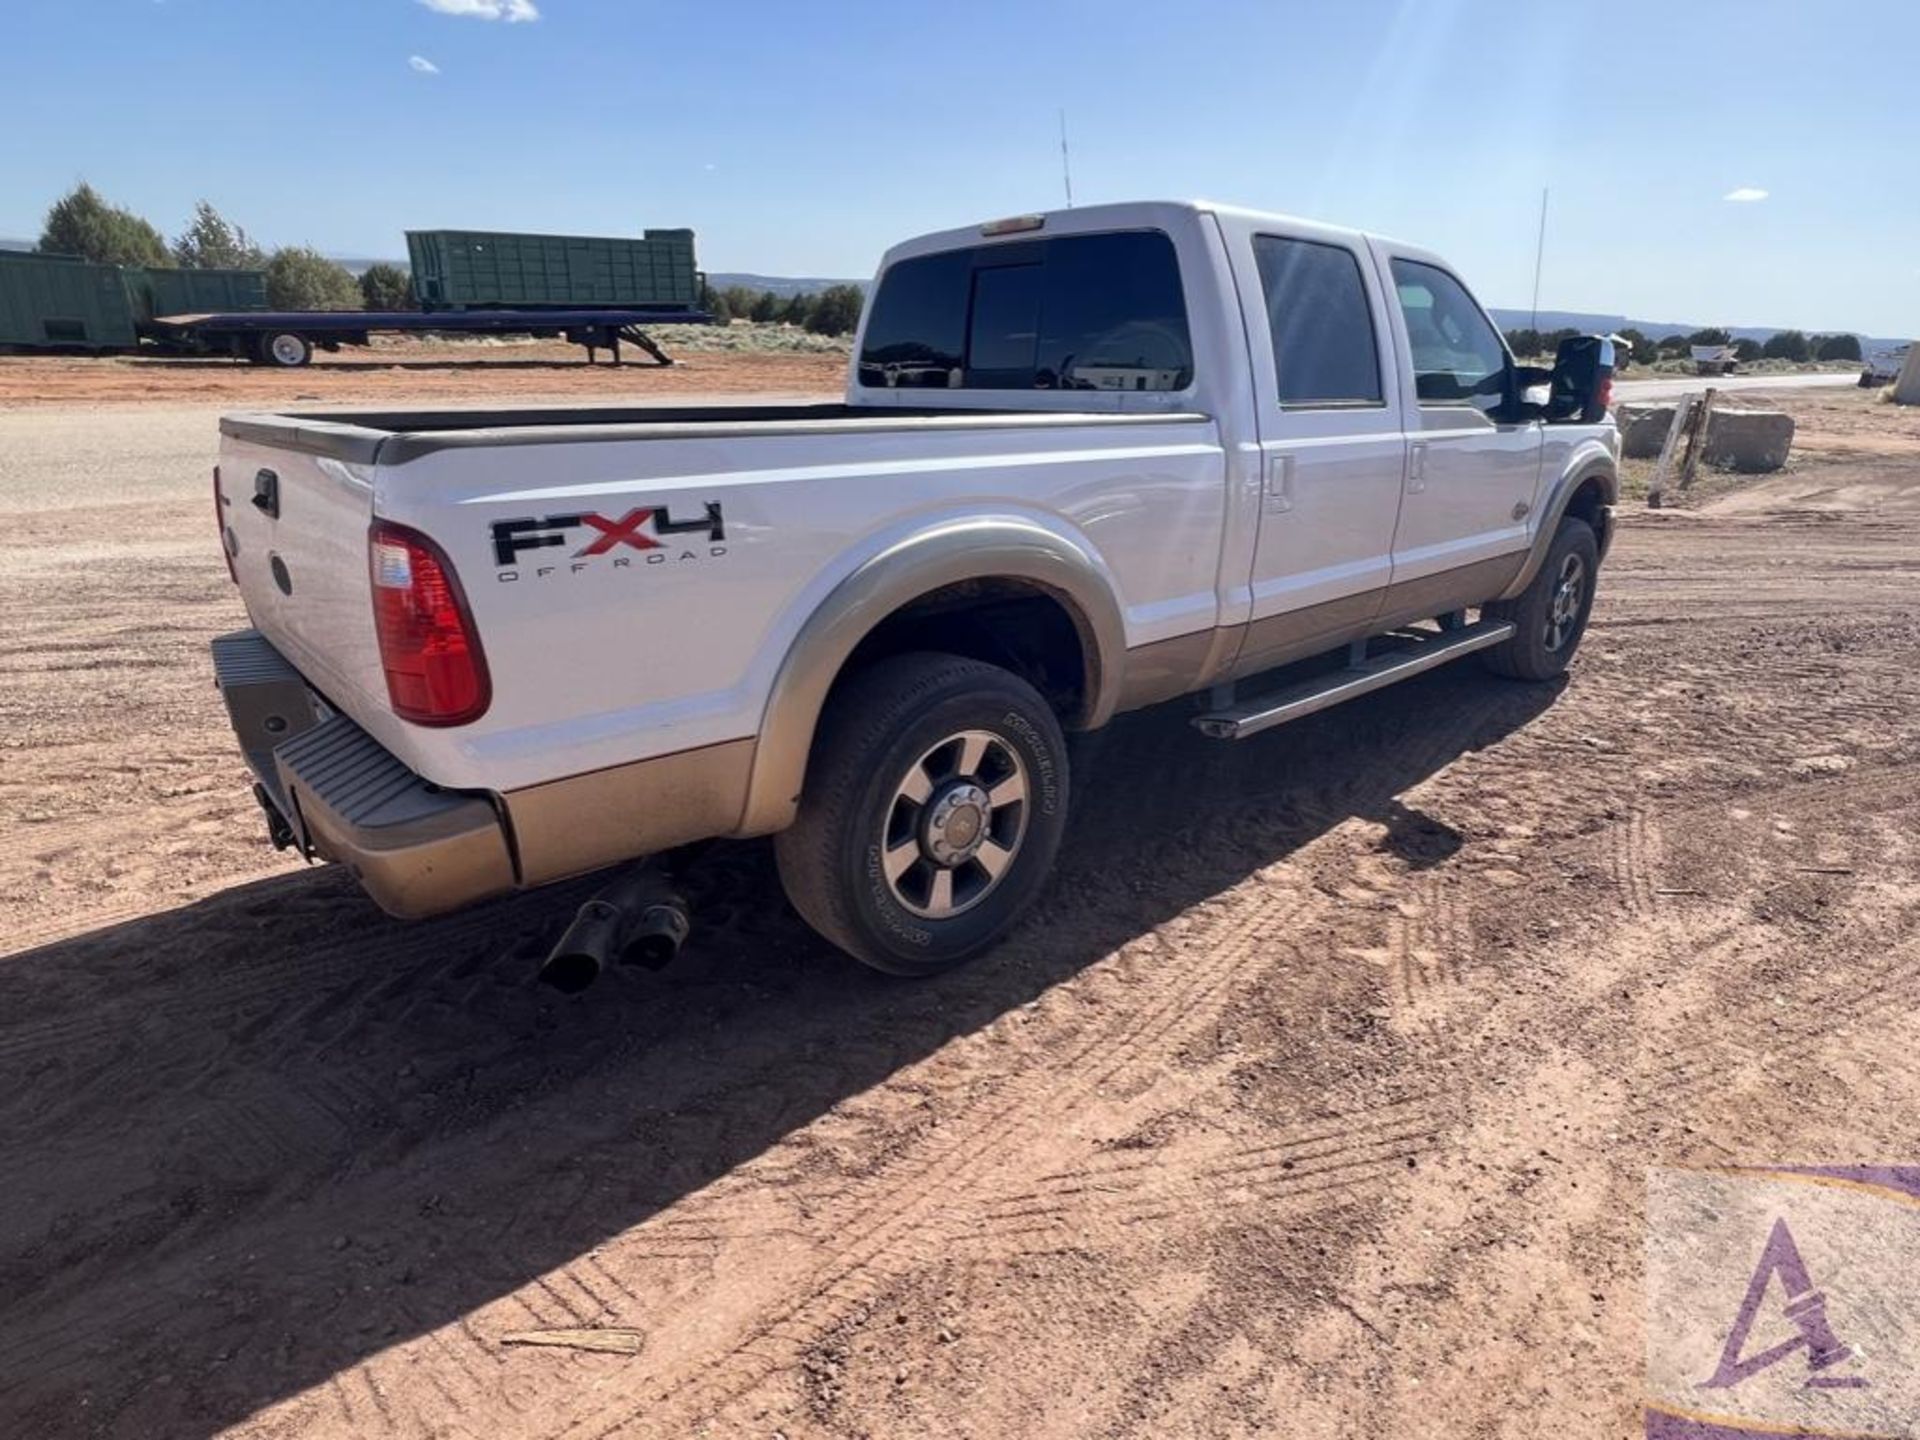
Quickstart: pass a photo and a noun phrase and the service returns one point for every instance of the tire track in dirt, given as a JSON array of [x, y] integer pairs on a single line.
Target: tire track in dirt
[[912, 1214]]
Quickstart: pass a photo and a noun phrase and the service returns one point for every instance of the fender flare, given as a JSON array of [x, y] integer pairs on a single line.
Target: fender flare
[[1590, 460], [978, 548]]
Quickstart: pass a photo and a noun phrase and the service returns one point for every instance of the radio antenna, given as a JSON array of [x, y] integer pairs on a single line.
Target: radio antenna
[[1539, 255], [1066, 160]]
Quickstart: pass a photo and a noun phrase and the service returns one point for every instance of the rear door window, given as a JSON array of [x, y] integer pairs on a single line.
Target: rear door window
[[1080, 312], [1458, 358], [1324, 349]]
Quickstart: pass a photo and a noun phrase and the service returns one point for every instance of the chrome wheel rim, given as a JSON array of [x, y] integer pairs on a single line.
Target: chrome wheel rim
[[955, 825], [287, 349], [1569, 599]]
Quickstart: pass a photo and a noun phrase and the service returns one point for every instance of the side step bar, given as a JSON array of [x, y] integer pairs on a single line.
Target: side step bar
[[1324, 691]]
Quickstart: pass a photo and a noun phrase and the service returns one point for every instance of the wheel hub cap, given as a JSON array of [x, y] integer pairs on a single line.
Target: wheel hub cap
[[957, 819], [956, 825]]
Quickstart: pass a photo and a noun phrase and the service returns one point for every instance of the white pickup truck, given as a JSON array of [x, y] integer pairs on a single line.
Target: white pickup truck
[[1087, 461]]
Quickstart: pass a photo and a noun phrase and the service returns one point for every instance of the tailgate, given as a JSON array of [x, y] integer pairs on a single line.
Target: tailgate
[[297, 532]]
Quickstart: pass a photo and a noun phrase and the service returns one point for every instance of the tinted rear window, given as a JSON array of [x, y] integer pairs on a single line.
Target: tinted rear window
[[1324, 352], [1081, 312]]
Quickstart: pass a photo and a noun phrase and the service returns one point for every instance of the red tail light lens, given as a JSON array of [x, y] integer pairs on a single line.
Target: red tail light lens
[[220, 520], [436, 673]]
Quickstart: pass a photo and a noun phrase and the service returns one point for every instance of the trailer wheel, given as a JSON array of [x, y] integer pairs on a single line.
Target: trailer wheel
[[286, 348]]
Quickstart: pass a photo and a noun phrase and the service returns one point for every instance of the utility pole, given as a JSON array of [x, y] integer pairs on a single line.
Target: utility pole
[[1539, 255], [1066, 162]]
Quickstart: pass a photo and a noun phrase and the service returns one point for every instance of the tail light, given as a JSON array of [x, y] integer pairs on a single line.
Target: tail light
[[429, 649], [220, 519], [1605, 397]]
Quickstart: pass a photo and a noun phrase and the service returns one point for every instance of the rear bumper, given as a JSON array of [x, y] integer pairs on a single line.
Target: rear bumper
[[419, 850]]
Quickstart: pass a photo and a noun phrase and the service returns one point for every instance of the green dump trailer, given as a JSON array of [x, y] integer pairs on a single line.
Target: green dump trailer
[[478, 269], [170, 291], [58, 302]]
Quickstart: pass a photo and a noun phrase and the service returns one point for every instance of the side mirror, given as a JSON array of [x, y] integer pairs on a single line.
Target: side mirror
[[1580, 385], [1527, 391]]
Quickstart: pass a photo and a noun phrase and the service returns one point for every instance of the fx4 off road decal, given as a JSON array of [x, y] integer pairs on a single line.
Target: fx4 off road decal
[[651, 531]]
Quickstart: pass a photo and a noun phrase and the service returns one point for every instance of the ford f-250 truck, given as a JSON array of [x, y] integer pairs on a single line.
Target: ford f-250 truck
[[1087, 461]]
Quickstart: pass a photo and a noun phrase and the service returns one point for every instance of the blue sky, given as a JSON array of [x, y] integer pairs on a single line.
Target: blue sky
[[801, 138]]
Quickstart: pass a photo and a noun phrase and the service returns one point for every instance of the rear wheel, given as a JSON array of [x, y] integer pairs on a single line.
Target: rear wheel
[[284, 348], [933, 808], [1550, 615]]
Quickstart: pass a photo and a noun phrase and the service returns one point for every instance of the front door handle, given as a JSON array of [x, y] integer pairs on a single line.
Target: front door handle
[[1417, 467], [1279, 484]]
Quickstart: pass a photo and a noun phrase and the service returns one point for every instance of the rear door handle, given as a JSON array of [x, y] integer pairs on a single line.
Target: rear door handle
[[1279, 484], [266, 493], [1417, 467]]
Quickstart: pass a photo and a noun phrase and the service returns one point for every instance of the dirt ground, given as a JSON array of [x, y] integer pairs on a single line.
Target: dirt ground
[[1316, 1100], [405, 371]]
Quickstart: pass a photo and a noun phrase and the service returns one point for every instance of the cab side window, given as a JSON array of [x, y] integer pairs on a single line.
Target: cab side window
[[1324, 350], [1458, 358]]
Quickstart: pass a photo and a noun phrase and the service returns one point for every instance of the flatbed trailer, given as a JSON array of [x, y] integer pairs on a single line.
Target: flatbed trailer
[[289, 337]]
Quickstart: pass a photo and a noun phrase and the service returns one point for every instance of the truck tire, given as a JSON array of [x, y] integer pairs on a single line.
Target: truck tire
[[1550, 615], [285, 348], [934, 804]]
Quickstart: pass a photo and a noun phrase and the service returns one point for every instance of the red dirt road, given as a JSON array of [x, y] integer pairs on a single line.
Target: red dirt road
[[1315, 1101]]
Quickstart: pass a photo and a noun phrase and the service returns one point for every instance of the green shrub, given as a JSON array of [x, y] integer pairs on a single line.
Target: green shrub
[[386, 287], [212, 242], [836, 311], [302, 279], [83, 223]]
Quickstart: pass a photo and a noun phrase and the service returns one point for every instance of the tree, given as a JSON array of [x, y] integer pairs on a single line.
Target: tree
[[82, 223], [1712, 335], [765, 308], [1524, 342], [212, 242], [796, 310], [302, 279], [739, 300], [1641, 348], [1674, 347], [715, 304], [1786, 345], [837, 311], [1746, 350], [386, 287], [1838, 347]]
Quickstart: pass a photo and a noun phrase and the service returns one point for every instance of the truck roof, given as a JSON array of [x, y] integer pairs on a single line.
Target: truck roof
[[1120, 215]]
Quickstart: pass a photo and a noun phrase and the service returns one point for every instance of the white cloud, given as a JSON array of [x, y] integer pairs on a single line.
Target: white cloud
[[423, 65], [1746, 194], [511, 11]]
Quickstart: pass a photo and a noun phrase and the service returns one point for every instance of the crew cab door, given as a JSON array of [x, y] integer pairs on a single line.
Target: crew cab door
[[1332, 451], [1471, 472]]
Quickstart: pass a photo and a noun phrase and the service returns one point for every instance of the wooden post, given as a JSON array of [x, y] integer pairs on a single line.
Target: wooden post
[[1656, 489], [1697, 437]]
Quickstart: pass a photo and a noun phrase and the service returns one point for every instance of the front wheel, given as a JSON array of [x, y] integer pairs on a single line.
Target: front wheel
[[934, 805], [1550, 615]]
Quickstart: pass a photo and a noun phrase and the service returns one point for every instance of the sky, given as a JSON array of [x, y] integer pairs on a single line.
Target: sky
[[1741, 162]]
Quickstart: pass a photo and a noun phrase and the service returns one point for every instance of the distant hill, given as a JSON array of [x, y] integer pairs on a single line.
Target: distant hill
[[1653, 329], [781, 285]]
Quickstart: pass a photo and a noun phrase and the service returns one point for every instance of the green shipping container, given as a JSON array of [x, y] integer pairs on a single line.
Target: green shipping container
[[477, 269], [59, 302], [168, 291]]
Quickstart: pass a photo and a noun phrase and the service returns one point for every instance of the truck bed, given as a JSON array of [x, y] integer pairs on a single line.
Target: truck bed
[[392, 437]]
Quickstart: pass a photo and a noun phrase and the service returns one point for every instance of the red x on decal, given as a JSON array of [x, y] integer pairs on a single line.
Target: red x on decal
[[624, 531]]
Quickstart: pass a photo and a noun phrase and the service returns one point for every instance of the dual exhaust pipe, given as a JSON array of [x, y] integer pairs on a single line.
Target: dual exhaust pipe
[[637, 920]]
